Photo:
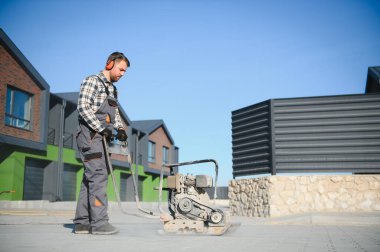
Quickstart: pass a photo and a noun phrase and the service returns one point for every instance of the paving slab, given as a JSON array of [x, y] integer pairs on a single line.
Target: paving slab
[[49, 228]]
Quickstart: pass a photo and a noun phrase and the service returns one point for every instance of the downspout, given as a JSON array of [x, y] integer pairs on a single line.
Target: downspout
[[59, 195], [137, 156]]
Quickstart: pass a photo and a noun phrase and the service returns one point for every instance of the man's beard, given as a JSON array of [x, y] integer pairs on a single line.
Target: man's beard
[[115, 79]]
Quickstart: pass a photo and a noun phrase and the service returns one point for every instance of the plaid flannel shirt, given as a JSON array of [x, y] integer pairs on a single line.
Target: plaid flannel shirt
[[91, 96]]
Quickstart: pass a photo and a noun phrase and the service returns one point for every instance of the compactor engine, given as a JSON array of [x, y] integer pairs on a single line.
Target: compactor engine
[[190, 206]]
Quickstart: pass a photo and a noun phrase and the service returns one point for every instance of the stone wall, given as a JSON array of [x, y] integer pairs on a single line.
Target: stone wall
[[250, 197], [285, 195]]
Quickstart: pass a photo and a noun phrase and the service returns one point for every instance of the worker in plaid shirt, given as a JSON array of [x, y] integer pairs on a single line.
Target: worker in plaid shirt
[[98, 118], [91, 97]]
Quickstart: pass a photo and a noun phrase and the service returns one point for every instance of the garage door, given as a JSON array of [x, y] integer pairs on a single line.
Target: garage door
[[126, 187], [69, 182], [34, 179]]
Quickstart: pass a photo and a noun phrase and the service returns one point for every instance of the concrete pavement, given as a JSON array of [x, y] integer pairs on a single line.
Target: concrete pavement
[[44, 226]]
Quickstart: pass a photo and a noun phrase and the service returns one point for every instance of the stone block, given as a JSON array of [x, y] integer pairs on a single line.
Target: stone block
[[290, 186], [309, 198], [236, 190], [312, 187], [313, 179], [344, 197], [349, 178], [233, 183], [273, 179], [333, 187], [349, 184], [286, 194], [336, 179], [265, 200], [332, 195], [242, 188], [321, 189], [303, 180], [303, 188], [279, 186], [343, 190], [351, 201], [370, 195], [259, 193], [363, 186], [262, 185], [329, 204], [256, 201], [374, 185], [291, 201]]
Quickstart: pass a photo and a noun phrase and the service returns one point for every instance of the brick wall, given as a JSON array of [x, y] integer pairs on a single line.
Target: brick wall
[[12, 74], [161, 139]]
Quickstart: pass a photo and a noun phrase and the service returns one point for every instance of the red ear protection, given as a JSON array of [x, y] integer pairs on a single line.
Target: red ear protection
[[110, 64]]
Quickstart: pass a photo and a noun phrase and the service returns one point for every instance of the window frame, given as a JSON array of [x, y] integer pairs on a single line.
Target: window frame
[[165, 155], [10, 118], [151, 152]]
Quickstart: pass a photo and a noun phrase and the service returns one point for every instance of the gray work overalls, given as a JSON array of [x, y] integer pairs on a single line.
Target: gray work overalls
[[92, 203]]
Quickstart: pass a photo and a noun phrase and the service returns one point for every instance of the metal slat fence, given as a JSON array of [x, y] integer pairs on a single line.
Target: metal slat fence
[[312, 134]]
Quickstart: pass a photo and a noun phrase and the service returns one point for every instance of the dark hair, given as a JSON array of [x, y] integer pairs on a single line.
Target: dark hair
[[118, 55]]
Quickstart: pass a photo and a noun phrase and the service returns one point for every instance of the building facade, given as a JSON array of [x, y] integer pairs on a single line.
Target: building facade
[[38, 152]]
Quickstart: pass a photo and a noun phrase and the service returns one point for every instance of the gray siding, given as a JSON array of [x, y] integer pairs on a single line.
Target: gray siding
[[142, 144], [313, 134], [54, 122], [251, 142], [322, 134], [70, 123]]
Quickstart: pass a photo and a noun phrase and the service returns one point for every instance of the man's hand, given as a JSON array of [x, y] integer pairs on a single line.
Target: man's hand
[[121, 135], [107, 132]]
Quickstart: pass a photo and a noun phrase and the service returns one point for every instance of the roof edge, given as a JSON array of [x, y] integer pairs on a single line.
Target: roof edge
[[22, 60]]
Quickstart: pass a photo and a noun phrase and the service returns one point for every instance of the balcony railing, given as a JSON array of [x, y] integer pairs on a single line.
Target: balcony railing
[[68, 138], [51, 136]]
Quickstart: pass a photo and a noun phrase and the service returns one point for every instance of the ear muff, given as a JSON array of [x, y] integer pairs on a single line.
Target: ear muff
[[110, 64]]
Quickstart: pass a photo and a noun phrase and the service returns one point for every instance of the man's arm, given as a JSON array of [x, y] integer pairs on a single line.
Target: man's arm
[[121, 133], [87, 95], [118, 122]]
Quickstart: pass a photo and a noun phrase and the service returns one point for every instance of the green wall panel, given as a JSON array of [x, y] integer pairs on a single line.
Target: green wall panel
[[9, 177], [12, 168]]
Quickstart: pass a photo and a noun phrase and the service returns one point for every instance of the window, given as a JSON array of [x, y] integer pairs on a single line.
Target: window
[[18, 106], [151, 152], [165, 155]]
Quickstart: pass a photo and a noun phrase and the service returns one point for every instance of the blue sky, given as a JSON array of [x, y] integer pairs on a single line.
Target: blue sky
[[193, 62]]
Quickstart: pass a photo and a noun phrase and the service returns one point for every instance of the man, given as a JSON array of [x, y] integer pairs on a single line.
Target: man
[[98, 117]]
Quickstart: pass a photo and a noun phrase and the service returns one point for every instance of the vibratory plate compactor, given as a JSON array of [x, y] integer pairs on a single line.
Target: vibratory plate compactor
[[189, 205]]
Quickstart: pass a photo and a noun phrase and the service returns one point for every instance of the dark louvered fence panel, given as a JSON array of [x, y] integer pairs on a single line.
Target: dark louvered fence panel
[[327, 134], [251, 142]]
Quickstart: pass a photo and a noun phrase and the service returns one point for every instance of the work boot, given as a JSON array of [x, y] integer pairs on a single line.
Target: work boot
[[106, 229], [82, 229]]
